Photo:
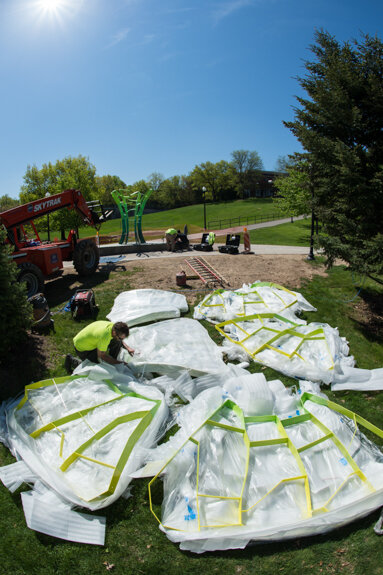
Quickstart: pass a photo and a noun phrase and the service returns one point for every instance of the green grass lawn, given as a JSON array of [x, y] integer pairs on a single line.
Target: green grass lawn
[[134, 543], [192, 216], [289, 234]]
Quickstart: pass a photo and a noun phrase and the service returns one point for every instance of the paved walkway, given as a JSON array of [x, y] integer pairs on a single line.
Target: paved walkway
[[257, 249]]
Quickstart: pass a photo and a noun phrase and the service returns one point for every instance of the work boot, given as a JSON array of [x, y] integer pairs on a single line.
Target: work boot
[[71, 363]]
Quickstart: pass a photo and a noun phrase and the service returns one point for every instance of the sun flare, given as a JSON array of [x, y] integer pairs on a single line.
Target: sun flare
[[52, 6], [56, 11]]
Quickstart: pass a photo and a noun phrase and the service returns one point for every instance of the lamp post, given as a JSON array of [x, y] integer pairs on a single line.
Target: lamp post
[[204, 207], [48, 229]]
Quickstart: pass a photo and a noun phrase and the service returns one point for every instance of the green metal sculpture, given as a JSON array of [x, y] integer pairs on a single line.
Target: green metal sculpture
[[131, 205]]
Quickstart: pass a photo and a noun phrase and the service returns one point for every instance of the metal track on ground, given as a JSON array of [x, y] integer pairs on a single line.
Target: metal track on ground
[[206, 272]]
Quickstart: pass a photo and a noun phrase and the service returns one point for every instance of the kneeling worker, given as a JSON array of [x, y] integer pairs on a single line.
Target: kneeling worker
[[171, 238], [100, 340]]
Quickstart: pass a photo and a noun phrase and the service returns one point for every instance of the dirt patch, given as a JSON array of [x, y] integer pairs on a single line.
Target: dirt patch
[[160, 273]]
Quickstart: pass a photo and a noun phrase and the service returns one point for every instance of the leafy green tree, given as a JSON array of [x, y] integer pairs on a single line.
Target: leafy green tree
[[295, 191], [139, 186], [175, 192], [52, 179], [167, 194], [15, 311], [105, 186], [282, 164], [155, 180], [340, 127], [245, 168], [6, 203], [189, 195], [214, 177]]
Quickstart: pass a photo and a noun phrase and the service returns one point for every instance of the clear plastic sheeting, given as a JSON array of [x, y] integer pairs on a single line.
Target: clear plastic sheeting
[[144, 305], [234, 478], [47, 515], [83, 435], [171, 346], [314, 351], [15, 474], [257, 298], [358, 379]]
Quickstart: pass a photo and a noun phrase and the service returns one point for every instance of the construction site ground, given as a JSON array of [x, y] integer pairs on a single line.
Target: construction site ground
[[288, 270], [159, 271], [157, 268]]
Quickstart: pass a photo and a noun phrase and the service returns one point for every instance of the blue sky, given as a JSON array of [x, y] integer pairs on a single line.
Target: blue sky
[[142, 86]]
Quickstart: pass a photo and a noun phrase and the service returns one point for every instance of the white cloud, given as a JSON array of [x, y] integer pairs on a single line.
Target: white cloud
[[180, 10], [119, 37], [148, 39], [227, 8]]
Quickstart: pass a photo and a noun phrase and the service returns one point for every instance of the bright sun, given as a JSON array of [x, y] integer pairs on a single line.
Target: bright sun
[[55, 11], [51, 5]]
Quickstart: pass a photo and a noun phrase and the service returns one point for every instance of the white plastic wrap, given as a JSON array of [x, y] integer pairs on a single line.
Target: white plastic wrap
[[255, 298], [144, 305], [48, 515], [314, 351], [232, 479], [83, 435], [357, 379], [172, 346], [16, 474]]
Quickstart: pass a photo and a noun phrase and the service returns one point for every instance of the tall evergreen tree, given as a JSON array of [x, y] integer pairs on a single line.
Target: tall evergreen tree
[[15, 311], [340, 126]]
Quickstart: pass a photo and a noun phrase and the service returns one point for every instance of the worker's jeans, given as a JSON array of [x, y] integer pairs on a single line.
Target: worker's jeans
[[170, 241], [113, 350]]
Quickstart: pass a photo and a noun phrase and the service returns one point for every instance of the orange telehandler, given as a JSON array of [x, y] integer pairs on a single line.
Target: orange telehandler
[[39, 260]]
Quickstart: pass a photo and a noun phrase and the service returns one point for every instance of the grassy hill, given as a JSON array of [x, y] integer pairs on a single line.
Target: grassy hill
[[193, 216], [255, 210], [290, 234]]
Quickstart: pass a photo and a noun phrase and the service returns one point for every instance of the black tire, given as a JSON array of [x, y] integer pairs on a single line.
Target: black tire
[[32, 276], [86, 257]]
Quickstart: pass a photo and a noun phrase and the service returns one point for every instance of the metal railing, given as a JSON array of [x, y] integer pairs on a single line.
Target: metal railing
[[246, 220]]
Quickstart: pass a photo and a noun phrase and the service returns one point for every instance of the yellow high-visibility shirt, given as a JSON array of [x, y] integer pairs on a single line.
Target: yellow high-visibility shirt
[[96, 335]]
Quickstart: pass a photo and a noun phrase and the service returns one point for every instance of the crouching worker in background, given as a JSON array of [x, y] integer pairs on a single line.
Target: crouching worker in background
[[171, 238], [100, 340]]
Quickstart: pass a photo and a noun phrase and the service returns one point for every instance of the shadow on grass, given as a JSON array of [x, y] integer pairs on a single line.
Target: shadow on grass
[[370, 321], [16, 372], [60, 290], [122, 514], [279, 547], [30, 362]]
